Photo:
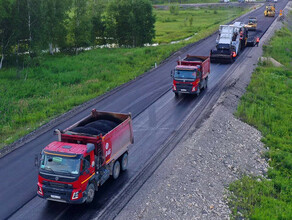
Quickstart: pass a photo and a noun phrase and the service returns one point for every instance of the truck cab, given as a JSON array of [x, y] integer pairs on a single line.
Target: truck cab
[[65, 169], [186, 79], [191, 75]]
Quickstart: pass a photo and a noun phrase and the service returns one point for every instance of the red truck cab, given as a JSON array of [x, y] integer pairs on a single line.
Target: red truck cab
[[191, 75], [85, 156], [65, 169]]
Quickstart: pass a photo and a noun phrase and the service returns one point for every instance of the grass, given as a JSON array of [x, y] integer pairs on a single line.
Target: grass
[[38, 94], [171, 27], [267, 105]]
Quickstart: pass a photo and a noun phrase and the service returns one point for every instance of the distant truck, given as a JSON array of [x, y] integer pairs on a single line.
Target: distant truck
[[84, 157], [190, 75], [270, 10], [231, 40]]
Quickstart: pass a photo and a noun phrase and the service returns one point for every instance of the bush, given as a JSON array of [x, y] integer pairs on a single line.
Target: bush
[[174, 9]]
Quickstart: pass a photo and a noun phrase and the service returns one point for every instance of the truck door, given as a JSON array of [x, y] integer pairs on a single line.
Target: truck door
[[85, 171]]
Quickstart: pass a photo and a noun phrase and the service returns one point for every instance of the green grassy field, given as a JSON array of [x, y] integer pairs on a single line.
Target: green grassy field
[[171, 27], [34, 96], [267, 105]]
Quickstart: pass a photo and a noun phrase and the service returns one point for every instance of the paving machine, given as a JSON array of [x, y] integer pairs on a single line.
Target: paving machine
[[270, 11], [252, 24], [230, 41]]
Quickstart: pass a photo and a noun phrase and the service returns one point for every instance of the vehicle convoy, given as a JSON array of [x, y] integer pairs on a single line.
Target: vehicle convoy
[[191, 75], [230, 41], [270, 11], [84, 157], [252, 24]]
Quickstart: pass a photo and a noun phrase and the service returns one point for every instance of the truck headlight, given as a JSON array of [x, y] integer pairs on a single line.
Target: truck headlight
[[194, 89], [40, 191], [174, 87], [76, 195]]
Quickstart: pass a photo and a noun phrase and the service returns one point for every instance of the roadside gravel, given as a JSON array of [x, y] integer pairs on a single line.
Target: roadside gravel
[[191, 182]]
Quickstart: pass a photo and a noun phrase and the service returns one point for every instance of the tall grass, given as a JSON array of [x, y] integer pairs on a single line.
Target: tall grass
[[172, 27], [36, 95], [267, 105]]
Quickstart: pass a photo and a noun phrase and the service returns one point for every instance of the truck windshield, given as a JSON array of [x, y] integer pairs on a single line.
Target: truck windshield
[[185, 74], [60, 164]]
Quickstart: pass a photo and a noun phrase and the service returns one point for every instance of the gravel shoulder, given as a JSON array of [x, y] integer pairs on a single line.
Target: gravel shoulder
[[191, 182]]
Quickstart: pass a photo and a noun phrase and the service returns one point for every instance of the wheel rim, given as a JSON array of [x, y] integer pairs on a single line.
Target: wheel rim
[[125, 161], [90, 194], [116, 170]]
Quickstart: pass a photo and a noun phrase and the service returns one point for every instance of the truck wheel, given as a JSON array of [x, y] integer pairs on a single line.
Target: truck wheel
[[90, 193], [124, 161], [198, 91], [116, 169], [206, 83], [176, 94]]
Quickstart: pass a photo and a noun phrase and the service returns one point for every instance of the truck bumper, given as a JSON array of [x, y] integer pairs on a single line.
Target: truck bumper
[[60, 195], [184, 89]]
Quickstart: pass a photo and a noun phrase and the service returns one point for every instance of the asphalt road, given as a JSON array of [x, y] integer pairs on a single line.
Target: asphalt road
[[157, 114]]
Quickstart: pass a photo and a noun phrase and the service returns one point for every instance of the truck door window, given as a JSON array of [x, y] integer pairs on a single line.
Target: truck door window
[[86, 162]]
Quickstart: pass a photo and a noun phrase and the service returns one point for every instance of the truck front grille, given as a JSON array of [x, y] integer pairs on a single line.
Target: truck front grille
[[57, 185]]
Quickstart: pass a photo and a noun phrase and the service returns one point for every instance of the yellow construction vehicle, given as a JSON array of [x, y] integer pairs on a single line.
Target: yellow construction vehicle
[[252, 24], [270, 11]]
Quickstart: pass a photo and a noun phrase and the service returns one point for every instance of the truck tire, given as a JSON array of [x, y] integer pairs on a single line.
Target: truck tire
[[198, 91], [90, 193], [124, 161], [206, 83], [176, 94], [116, 170]]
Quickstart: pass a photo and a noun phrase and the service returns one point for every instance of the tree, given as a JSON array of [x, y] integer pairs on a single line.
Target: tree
[[80, 25], [7, 32], [130, 22], [56, 12], [97, 8]]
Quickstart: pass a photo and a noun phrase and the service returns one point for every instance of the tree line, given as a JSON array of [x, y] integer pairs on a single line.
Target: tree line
[[30, 27]]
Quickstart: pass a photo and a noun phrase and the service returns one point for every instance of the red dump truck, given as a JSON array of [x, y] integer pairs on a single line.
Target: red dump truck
[[84, 157], [191, 75]]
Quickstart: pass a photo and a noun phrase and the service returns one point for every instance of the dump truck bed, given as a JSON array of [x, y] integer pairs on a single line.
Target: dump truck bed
[[114, 133], [202, 61]]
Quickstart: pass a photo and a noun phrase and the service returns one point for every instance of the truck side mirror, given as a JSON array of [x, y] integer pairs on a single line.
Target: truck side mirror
[[36, 160], [171, 73]]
